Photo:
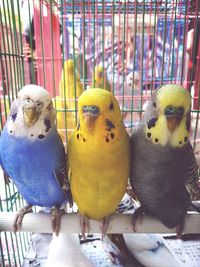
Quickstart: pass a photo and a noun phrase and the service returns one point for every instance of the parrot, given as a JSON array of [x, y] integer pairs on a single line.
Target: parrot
[[33, 156], [99, 158], [99, 78], [164, 172], [69, 84]]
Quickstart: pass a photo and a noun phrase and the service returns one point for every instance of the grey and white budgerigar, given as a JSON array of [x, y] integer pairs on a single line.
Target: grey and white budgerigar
[[164, 172]]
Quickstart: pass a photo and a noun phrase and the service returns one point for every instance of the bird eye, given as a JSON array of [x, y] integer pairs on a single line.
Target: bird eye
[[111, 106], [28, 100]]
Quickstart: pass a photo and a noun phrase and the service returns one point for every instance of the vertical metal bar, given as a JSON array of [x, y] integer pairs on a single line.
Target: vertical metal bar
[[42, 41], [4, 71], [9, 51], [184, 43], [52, 49], [84, 52], [13, 73], [123, 52], [63, 72], [142, 58], [113, 46], [134, 62], [153, 45], [196, 67], [18, 253], [1, 250], [164, 42], [172, 54], [73, 43], [94, 37], [7, 248], [102, 38], [32, 73], [21, 48], [17, 53], [13, 248]]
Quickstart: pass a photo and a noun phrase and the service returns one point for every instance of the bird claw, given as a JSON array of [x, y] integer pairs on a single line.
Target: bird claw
[[17, 225], [137, 216], [180, 228], [85, 226], [6, 178], [56, 215], [104, 225]]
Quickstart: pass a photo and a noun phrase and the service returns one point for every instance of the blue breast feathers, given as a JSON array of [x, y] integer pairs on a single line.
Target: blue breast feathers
[[31, 166]]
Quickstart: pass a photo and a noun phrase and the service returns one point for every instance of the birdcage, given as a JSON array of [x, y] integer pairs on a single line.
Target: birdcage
[[140, 45]]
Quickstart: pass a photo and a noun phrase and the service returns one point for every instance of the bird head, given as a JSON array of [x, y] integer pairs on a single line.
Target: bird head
[[98, 107], [69, 65], [172, 101], [99, 72], [35, 101]]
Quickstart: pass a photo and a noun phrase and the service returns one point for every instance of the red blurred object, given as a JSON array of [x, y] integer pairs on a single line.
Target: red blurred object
[[48, 49]]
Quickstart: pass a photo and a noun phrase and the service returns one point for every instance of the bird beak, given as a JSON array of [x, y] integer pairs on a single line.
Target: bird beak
[[90, 114], [174, 116], [89, 121], [173, 122], [31, 115]]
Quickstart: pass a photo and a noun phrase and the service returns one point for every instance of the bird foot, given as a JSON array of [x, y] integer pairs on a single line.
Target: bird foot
[[104, 225], [180, 228], [56, 215], [19, 217], [84, 224], [6, 178], [137, 216]]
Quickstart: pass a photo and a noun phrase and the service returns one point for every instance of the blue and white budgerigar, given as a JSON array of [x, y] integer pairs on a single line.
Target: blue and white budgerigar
[[164, 172], [32, 153]]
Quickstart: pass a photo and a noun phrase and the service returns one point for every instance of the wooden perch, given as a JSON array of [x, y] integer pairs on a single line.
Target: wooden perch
[[120, 223]]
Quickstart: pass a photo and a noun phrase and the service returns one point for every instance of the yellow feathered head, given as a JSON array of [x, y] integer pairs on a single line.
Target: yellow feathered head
[[173, 95], [69, 66], [98, 72], [98, 109]]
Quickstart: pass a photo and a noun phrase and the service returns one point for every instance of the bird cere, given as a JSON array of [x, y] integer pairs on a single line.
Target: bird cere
[[157, 157]]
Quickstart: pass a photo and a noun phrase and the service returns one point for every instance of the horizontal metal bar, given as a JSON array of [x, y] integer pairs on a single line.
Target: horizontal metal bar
[[120, 223], [12, 54]]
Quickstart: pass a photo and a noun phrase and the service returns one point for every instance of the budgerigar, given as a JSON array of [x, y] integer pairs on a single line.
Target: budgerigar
[[32, 153], [99, 78], [70, 88], [98, 157], [164, 171]]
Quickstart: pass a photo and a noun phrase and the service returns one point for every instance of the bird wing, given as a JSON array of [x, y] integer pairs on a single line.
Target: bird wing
[[151, 113], [192, 176], [61, 175], [14, 107]]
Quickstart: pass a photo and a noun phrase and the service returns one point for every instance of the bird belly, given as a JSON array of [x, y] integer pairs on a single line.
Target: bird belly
[[97, 193], [31, 168]]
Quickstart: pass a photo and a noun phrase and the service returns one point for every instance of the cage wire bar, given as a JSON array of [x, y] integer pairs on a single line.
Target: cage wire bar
[[139, 44]]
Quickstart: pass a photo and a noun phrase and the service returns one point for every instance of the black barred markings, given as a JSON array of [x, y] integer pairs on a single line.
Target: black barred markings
[[47, 124], [109, 124], [151, 123]]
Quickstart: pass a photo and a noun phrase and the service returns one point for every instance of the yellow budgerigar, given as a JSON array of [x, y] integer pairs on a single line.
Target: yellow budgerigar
[[70, 86], [70, 89], [99, 158], [99, 78]]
